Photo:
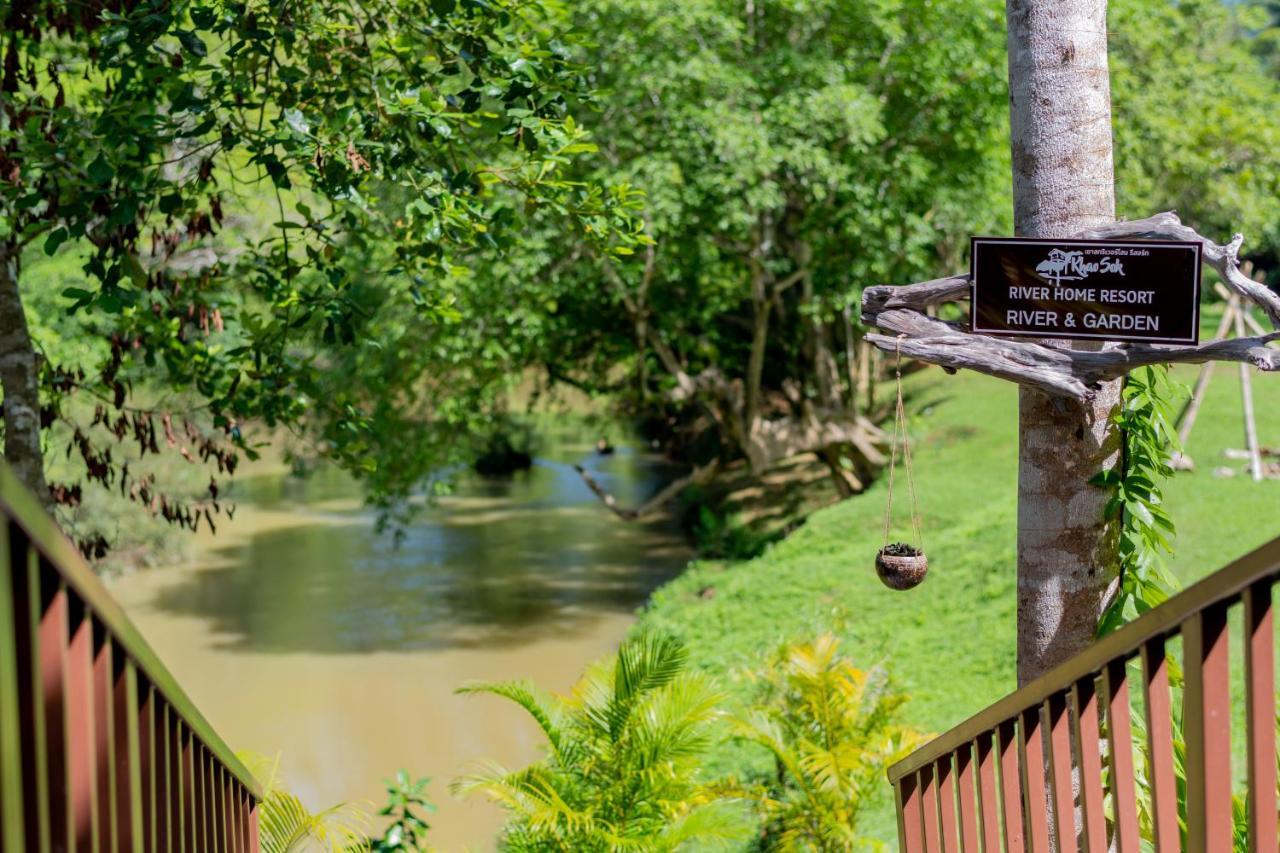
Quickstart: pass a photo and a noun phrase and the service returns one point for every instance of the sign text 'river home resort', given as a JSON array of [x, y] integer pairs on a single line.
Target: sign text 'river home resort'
[[1141, 291]]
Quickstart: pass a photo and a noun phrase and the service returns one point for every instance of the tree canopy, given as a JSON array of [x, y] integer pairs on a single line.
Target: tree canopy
[[248, 184], [368, 221]]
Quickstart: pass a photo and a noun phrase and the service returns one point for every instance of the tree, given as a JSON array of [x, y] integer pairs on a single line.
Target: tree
[[1194, 118], [789, 153], [1060, 134], [792, 154], [249, 182]]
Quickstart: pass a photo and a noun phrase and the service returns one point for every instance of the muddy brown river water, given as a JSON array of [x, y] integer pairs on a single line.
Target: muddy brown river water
[[299, 630]]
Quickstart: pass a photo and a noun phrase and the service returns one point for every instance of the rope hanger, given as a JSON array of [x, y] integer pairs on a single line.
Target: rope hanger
[[900, 434]]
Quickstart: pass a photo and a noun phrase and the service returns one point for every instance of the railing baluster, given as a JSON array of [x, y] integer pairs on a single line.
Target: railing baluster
[[12, 808], [1260, 706], [1011, 787], [169, 827], [81, 747], [1115, 686], [947, 805], [242, 830], [1164, 795], [1031, 742], [206, 790], [1088, 740], [54, 627], [252, 806], [239, 843], [104, 748], [228, 811], [1207, 730], [130, 758], [198, 786], [219, 804], [928, 781], [144, 810], [966, 779], [1060, 771], [189, 793], [28, 611], [179, 826], [989, 802]]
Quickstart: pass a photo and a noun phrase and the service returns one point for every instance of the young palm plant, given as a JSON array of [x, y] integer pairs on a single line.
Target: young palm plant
[[623, 755], [285, 825], [830, 728]]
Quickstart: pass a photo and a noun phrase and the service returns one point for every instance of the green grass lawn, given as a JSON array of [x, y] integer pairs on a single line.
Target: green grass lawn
[[950, 643]]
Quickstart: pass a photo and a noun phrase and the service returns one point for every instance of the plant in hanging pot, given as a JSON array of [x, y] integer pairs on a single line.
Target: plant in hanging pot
[[901, 566]]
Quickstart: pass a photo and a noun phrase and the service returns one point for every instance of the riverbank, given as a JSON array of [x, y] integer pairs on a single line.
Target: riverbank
[[950, 643]]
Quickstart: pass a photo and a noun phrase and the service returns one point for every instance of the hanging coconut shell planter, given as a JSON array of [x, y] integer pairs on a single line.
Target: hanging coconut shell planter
[[899, 565]]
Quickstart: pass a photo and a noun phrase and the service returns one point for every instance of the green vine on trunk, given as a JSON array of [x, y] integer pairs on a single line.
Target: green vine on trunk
[[1146, 420]]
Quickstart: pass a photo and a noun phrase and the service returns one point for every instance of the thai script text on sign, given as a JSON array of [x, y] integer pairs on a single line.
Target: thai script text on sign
[[1116, 291]]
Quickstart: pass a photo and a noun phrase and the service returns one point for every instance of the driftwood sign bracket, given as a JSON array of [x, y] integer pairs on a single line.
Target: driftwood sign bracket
[[1056, 370]]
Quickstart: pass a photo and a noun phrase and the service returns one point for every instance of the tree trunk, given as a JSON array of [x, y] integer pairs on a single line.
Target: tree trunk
[[20, 380], [1060, 123]]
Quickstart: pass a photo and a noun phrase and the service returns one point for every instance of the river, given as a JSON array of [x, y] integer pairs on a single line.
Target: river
[[298, 630]]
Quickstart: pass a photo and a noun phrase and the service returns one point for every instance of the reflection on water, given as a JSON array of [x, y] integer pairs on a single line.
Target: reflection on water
[[299, 629]]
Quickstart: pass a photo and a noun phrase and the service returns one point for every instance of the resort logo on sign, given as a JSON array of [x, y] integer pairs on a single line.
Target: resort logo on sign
[[1139, 291], [1071, 266]]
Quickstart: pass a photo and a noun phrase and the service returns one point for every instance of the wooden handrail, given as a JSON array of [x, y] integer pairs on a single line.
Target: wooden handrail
[[1223, 587], [20, 506]]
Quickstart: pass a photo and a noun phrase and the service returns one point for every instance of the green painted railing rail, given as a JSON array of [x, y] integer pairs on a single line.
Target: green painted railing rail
[[100, 749]]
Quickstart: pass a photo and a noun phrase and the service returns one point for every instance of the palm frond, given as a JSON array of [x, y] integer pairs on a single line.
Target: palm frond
[[716, 825], [285, 825], [533, 793], [528, 697]]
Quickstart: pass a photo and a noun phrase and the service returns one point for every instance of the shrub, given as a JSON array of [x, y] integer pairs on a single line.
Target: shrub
[[623, 754], [830, 729]]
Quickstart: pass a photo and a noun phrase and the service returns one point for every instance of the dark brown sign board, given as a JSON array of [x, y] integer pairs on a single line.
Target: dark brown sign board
[[1145, 290]]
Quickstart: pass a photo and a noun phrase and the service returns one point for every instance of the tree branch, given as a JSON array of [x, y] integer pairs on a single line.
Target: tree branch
[[1053, 369], [1225, 259], [701, 474]]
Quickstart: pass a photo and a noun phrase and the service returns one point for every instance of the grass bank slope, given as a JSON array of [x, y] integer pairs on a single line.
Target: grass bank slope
[[950, 643]]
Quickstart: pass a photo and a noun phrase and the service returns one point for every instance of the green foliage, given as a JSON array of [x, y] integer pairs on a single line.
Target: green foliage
[[832, 730], [263, 193], [1195, 117], [965, 428], [1146, 420], [623, 754], [826, 145], [721, 536], [285, 825], [407, 806]]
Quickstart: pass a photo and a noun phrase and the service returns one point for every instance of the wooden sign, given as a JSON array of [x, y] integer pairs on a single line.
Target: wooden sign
[[1101, 289]]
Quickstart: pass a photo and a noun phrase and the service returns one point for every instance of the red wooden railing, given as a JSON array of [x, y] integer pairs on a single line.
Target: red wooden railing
[[1027, 773], [100, 750]]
